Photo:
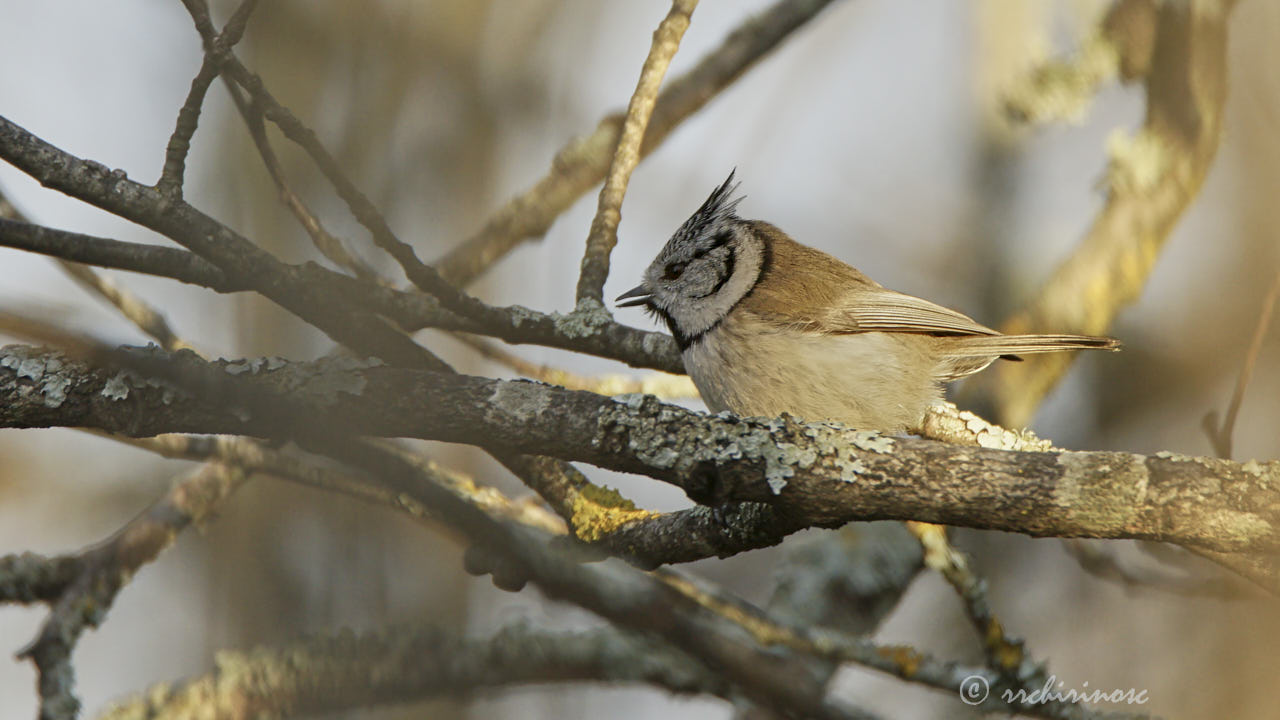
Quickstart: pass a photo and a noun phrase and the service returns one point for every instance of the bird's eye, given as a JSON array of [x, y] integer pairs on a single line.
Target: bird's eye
[[673, 270]]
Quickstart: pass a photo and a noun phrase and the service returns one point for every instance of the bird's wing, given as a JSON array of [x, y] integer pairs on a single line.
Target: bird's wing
[[881, 310]]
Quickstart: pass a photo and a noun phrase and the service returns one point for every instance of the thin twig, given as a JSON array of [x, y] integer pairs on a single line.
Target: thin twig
[[1221, 436], [175, 156], [136, 310], [604, 226], [423, 276], [235, 255], [1004, 654], [328, 245], [330, 292], [582, 163]]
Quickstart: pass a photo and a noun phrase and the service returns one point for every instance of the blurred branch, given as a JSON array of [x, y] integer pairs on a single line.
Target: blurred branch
[[764, 659], [99, 574], [138, 311], [1004, 654], [1105, 565], [328, 245], [848, 581], [604, 226], [399, 665], [1062, 90], [1220, 436], [366, 213], [1179, 50], [255, 457], [582, 163]]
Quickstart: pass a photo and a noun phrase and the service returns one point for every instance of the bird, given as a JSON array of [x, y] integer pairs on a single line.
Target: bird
[[768, 326]]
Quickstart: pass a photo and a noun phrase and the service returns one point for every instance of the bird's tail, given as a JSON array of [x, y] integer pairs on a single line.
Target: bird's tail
[[1005, 345]]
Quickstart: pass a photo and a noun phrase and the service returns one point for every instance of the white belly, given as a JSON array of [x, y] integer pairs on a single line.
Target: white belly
[[871, 381]]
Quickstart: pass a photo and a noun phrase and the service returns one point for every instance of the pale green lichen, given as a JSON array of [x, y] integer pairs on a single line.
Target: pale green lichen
[[657, 438], [42, 368], [324, 380], [520, 315], [585, 321], [116, 387], [1063, 90], [523, 401], [946, 422]]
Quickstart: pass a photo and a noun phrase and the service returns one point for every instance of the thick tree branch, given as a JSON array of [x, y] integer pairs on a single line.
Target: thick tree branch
[[816, 474]]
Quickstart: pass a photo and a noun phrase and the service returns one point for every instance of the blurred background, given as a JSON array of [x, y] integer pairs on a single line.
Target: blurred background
[[872, 134]]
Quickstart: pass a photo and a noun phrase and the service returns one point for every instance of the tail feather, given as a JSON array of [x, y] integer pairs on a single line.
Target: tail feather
[[1000, 345]]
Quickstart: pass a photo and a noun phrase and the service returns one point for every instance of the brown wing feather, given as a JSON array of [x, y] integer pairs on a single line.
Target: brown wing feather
[[881, 310], [801, 287], [804, 287]]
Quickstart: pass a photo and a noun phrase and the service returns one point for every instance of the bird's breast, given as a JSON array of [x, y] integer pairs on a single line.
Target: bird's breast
[[754, 367]]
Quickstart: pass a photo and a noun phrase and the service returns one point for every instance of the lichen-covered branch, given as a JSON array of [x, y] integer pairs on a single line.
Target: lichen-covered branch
[[821, 473]]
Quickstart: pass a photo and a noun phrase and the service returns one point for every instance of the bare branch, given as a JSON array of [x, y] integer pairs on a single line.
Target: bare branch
[[604, 227], [333, 302], [103, 570], [175, 156], [231, 252]]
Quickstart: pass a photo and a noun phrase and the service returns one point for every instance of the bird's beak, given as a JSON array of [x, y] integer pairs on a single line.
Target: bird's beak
[[638, 295]]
